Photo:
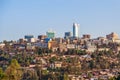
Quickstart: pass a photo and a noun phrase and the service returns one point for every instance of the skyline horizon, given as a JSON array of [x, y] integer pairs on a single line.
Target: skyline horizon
[[81, 35], [18, 18]]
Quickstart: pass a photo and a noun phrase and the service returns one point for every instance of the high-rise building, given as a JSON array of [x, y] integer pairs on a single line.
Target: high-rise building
[[28, 37], [75, 30], [67, 35], [50, 34]]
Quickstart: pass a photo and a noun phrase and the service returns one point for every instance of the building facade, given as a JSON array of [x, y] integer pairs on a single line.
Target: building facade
[[86, 36], [42, 37], [67, 35], [50, 34], [28, 37], [112, 36], [75, 30]]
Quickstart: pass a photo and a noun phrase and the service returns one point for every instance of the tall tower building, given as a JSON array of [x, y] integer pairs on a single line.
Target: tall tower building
[[50, 34], [75, 30]]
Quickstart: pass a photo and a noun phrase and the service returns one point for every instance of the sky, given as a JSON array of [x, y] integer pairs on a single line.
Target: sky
[[22, 17]]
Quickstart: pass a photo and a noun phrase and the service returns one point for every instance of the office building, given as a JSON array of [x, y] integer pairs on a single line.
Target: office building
[[28, 37], [67, 35], [42, 37], [50, 34], [75, 30]]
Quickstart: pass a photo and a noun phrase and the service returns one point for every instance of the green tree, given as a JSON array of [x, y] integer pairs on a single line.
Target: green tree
[[112, 78], [66, 76], [2, 75], [81, 52], [92, 64], [13, 71], [30, 75], [90, 75], [53, 59], [40, 51], [38, 69], [44, 72]]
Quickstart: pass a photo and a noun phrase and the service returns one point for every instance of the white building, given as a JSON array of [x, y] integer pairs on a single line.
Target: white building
[[71, 46], [90, 47], [2, 45], [33, 40], [75, 30]]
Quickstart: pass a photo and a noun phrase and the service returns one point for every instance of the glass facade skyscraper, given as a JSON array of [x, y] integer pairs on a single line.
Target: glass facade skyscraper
[[67, 35], [50, 34], [75, 30]]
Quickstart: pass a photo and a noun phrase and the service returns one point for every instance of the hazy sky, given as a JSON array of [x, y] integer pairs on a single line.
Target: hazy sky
[[21, 17]]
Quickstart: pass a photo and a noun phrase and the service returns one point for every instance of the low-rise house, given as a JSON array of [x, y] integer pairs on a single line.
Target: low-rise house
[[103, 49], [41, 44], [94, 78], [97, 41], [87, 57], [43, 61], [30, 46], [62, 47], [116, 41], [53, 55], [32, 66], [71, 46], [53, 45], [19, 46], [90, 47], [75, 77], [32, 40], [118, 49], [58, 64], [103, 77], [2, 45]]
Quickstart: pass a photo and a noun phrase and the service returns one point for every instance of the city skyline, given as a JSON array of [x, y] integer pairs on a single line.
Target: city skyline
[[19, 18]]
